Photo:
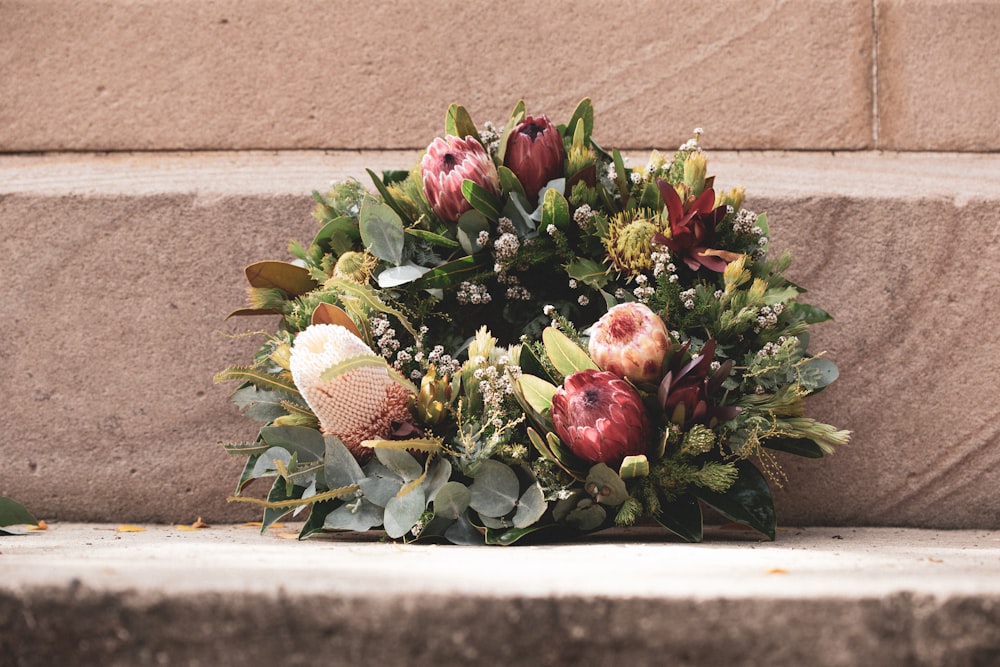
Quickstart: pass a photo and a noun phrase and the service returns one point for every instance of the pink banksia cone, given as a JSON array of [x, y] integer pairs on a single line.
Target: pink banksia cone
[[631, 341], [362, 404], [448, 162], [600, 417], [535, 154]]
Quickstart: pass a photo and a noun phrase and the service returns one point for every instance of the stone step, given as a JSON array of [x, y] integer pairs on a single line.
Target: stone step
[[86, 594], [255, 74], [119, 270]]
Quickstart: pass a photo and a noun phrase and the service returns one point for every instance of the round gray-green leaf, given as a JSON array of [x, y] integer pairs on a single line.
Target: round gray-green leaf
[[403, 512], [451, 500], [495, 489], [359, 515], [530, 507]]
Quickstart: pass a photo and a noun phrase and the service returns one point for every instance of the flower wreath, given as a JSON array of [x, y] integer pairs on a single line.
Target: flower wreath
[[523, 334]]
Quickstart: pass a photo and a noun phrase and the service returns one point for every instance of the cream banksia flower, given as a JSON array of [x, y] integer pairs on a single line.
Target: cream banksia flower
[[631, 341], [361, 404]]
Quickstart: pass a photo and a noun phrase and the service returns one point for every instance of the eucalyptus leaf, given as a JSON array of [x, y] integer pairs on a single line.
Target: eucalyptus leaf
[[437, 477], [381, 230], [530, 507], [682, 517], [748, 501], [381, 484], [395, 276], [265, 465], [403, 512], [359, 515], [339, 465], [262, 405], [823, 370], [469, 226], [452, 500], [495, 489], [306, 442], [400, 462], [462, 532]]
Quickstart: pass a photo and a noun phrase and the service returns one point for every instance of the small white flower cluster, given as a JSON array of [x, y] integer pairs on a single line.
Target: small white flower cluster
[[384, 336], [644, 290], [505, 248], [490, 135], [444, 363], [496, 384], [611, 172], [582, 216], [746, 223], [474, 293], [635, 177], [687, 297], [660, 257], [772, 349], [483, 239], [691, 145], [767, 317]]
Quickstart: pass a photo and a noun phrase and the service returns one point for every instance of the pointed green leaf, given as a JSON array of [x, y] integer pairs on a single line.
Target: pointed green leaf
[[588, 272], [381, 230], [810, 314], [306, 442], [387, 197], [261, 379], [748, 501], [366, 361], [431, 237], [458, 123], [509, 181], [452, 273], [555, 210], [584, 111], [468, 227], [537, 392], [13, 513], [620, 177], [516, 116], [564, 354], [340, 466], [366, 296], [279, 493], [798, 446], [682, 517], [481, 199], [651, 197], [338, 235]]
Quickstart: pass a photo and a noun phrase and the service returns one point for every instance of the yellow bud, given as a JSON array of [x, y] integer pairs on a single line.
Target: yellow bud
[[732, 198], [695, 168], [736, 273]]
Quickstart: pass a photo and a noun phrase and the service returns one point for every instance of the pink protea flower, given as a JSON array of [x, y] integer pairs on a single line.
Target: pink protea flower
[[631, 341], [535, 154], [447, 163], [600, 417], [361, 404]]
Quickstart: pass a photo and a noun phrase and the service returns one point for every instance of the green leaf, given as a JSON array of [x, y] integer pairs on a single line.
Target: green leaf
[[339, 465], [400, 462], [338, 235], [431, 237], [245, 448], [481, 199], [381, 230], [682, 517], [403, 512], [798, 446], [259, 378], [495, 489], [306, 442], [651, 197], [516, 116], [458, 123], [530, 507], [509, 181], [468, 227], [454, 272], [317, 515], [823, 370], [365, 295], [620, 177], [464, 533], [266, 466], [293, 279], [511, 535], [531, 364], [381, 484], [279, 493], [588, 272], [762, 223], [262, 405], [606, 486], [584, 111], [358, 515], [13, 513], [387, 197], [633, 467], [748, 501], [537, 392], [429, 444], [564, 354], [452, 500], [810, 314], [555, 210]]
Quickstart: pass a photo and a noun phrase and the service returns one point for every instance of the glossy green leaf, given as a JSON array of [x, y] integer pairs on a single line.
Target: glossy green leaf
[[682, 517], [507, 537], [634, 467], [564, 354], [798, 446], [387, 197], [516, 116], [431, 237], [452, 500], [584, 111], [495, 489], [810, 314], [509, 181], [588, 272], [381, 230], [621, 179], [454, 272], [481, 199], [748, 501], [402, 513], [537, 392], [458, 123], [13, 513], [555, 210], [279, 492], [317, 515]]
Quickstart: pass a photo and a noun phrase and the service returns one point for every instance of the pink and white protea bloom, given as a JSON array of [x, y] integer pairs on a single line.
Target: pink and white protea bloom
[[535, 154], [448, 162], [358, 405], [600, 417], [631, 341]]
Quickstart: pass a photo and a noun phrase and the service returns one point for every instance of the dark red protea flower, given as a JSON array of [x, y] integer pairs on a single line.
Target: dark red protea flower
[[535, 154], [684, 390], [446, 165], [692, 229], [600, 417]]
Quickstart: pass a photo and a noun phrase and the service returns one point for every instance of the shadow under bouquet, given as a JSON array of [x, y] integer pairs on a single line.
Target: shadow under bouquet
[[524, 336]]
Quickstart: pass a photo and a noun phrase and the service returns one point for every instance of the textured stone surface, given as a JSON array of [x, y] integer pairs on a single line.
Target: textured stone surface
[[195, 74], [937, 74], [114, 303], [88, 595]]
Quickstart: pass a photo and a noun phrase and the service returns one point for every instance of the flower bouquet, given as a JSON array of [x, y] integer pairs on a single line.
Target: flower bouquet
[[522, 335]]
